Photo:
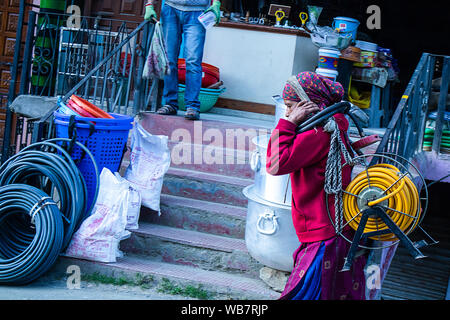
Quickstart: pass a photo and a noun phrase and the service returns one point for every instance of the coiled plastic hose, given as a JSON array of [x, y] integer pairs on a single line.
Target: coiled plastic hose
[[31, 233], [54, 173], [42, 203], [403, 205]]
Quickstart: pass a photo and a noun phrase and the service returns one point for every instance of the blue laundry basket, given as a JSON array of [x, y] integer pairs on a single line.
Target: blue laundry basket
[[106, 139]]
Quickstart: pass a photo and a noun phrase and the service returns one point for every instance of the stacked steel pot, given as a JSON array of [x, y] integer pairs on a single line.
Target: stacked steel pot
[[269, 234]]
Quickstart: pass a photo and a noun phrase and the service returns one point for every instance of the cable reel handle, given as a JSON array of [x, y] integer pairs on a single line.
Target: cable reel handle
[[358, 127], [388, 196], [325, 114], [340, 107]]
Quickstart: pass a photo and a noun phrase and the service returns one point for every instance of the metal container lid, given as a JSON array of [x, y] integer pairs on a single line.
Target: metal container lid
[[250, 194]]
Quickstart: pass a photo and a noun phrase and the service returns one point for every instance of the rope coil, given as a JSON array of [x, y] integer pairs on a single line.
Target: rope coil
[[333, 170]]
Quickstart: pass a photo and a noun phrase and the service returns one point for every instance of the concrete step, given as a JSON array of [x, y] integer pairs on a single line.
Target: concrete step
[[187, 247], [219, 144], [231, 132], [206, 186], [213, 159], [206, 158], [219, 160], [220, 285], [198, 215]]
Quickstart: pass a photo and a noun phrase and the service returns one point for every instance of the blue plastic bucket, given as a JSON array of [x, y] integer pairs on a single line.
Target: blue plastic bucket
[[105, 138], [346, 26]]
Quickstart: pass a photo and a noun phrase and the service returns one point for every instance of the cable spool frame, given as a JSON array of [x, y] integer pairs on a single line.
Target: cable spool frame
[[378, 211], [413, 248]]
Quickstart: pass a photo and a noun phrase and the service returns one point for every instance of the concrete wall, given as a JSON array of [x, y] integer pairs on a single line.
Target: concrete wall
[[255, 65]]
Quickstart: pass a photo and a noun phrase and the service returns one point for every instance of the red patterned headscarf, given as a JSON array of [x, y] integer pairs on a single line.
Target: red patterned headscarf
[[320, 90]]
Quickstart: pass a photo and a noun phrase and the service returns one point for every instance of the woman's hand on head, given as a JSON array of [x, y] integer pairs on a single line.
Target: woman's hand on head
[[297, 112]]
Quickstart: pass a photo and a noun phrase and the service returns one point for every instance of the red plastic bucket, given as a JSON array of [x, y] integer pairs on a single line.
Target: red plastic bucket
[[210, 76]]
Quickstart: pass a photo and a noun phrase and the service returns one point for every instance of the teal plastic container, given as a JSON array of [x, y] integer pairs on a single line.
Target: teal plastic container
[[207, 97]]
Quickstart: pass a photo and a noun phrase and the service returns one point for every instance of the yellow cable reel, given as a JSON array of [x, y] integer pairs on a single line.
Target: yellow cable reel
[[382, 185]]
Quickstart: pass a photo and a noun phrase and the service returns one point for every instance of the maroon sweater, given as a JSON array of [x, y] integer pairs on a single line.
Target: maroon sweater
[[304, 157]]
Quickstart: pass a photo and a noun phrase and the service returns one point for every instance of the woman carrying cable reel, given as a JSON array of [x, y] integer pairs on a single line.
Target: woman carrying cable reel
[[311, 144]]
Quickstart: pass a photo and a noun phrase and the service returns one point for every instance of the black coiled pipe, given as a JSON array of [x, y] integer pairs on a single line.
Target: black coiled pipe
[[42, 203], [49, 167], [31, 233]]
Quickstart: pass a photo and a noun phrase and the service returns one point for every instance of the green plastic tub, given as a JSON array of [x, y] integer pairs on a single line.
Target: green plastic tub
[[207, 97]]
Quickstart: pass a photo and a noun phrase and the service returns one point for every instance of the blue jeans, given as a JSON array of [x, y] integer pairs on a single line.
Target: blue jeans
[[176, 23]]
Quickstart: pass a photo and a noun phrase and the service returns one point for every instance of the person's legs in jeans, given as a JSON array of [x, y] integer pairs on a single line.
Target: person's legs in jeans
[[194, 40], [172, 30]]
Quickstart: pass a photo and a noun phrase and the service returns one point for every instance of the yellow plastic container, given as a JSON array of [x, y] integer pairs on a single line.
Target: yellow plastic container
[[367, 59], [361, 100]]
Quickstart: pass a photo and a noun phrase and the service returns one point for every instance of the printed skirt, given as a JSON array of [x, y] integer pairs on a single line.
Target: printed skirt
[[317, 273]]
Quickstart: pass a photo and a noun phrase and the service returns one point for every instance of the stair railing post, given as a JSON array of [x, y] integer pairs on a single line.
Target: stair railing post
[[14, 72], [441, 106], [139, 89]]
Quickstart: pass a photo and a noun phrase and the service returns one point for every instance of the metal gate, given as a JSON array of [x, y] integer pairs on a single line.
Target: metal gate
[[100, 60]]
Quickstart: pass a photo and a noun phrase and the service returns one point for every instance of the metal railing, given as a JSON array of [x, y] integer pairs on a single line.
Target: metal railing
[[405, 132], [64, 57], [3, 106], [101, 60]]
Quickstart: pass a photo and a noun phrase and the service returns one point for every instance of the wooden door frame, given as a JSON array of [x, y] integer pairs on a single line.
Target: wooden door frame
[[88, 5]]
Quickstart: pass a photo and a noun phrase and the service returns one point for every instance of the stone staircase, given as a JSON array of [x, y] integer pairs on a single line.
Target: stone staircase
[[199, 238]]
